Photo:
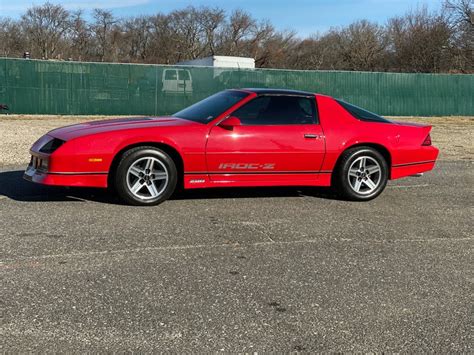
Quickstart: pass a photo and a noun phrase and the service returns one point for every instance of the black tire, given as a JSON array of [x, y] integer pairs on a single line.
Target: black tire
[[123, 182], [347, 184]]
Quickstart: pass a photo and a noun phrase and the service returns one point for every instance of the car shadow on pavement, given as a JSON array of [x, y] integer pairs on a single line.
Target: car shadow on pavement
[[13, 186], [255, 192]]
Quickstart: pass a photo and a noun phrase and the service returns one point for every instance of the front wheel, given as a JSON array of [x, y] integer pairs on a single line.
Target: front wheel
[[362, 174], [145, 176]]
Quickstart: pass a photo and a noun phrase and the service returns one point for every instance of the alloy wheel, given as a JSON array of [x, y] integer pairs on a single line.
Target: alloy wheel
[[147, 178], [364, 175]]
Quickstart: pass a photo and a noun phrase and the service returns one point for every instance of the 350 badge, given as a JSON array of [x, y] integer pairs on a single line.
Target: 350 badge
[[247, 166]]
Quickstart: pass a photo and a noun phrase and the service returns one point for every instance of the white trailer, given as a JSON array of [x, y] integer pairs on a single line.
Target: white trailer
[[219, 61], [179, 80]]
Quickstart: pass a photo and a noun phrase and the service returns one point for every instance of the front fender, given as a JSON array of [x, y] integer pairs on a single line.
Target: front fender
[[95, 153]]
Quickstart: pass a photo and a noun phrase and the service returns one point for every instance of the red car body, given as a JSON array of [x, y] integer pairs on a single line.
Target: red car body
[[210, 155]]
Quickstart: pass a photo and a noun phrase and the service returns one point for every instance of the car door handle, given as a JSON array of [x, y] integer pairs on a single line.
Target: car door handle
[[311, 136]]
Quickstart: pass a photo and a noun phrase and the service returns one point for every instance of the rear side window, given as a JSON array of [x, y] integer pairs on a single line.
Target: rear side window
[[362, 114], [278, 110], [183, 75]]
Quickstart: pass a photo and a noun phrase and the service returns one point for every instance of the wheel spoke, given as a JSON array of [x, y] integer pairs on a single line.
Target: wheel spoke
[[370, 183], [357, 185], [373, 169], [159, 175], [353, 172], [135, 171], [136, 187], [149, 164], [152, 190], [362, 163]]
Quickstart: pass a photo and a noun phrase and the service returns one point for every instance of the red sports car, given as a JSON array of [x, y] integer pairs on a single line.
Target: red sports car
[[248, 137]]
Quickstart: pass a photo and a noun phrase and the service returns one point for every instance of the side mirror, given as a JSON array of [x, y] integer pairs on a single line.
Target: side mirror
[[230, 122]]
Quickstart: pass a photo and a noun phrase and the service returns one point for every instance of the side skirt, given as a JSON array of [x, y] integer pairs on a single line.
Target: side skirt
[[205, 180]]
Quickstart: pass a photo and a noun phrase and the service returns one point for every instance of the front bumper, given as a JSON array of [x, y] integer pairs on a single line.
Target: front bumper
[[47, 167], [65, 179]]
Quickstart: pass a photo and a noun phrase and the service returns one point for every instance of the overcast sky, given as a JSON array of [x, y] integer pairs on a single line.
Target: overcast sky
[[304, 16]]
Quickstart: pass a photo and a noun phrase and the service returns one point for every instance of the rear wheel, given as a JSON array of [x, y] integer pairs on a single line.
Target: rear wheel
[[145, 176], [362, 174]]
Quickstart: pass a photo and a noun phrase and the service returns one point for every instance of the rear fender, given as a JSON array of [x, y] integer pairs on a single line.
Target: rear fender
[[410, 149]]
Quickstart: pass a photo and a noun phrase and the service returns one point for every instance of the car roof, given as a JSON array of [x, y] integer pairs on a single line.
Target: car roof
[[262, 91]]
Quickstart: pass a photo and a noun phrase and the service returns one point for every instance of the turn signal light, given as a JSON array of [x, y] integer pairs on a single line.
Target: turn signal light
[[427, 140]]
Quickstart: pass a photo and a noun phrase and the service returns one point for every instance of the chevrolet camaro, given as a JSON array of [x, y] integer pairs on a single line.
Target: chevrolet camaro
[[248, 137]]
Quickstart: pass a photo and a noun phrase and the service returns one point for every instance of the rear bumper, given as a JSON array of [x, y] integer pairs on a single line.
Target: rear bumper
[[415, 162], [65, 179], [399, 171]]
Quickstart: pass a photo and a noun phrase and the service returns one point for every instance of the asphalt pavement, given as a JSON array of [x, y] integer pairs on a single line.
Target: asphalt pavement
[[244, 270]]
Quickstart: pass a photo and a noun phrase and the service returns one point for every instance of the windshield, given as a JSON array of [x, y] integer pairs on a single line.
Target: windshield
[[206, 110], [362, 114]]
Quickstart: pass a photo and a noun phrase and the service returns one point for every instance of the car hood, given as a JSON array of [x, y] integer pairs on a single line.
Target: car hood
[[95, 127]]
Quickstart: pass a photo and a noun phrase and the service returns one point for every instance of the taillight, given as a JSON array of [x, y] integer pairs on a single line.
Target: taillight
[[427, 140]]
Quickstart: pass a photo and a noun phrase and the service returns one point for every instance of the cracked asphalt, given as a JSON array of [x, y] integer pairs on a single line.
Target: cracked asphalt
[[240, 270]]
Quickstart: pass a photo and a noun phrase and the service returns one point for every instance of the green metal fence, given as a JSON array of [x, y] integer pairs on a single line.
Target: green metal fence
[[76, 88]]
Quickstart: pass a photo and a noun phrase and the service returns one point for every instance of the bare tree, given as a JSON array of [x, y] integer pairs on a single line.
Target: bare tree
[[258, 44], [45, 27], [361, 45], [460, 16], [103, 31], [212, 21], [460, 12], [138, 37], [162, 49], [269, 47], [239, 28], [12, 41], [419, 42], [80, 37], [318, 52], [187, 33]]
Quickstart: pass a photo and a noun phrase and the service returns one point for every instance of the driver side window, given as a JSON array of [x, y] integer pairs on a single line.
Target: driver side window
[[277, 110]]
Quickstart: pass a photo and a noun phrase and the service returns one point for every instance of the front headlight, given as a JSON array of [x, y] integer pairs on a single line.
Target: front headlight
[[51, 146]]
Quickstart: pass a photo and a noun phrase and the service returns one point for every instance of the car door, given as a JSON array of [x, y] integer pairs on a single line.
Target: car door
[[279, 141], [185, 83], [170, 80]]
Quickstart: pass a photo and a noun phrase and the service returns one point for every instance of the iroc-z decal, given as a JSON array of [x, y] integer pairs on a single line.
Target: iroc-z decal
[[247, 166]]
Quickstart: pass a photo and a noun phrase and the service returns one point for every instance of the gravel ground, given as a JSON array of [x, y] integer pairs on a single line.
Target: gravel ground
[[453, 135], [239, 270]]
